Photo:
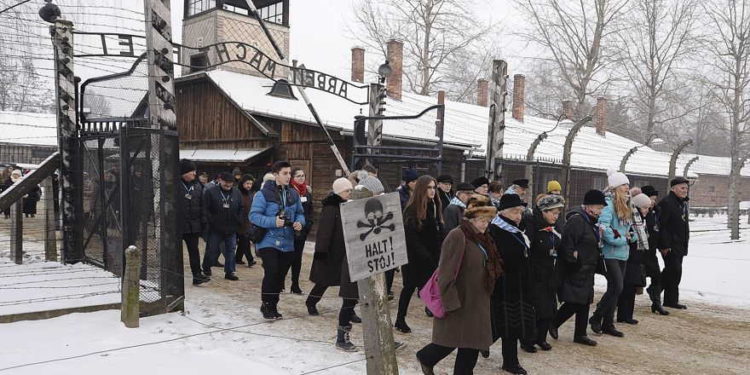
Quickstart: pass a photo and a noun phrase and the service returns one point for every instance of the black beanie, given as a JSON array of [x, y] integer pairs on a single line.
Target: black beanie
[[594, 197], [187, 166]]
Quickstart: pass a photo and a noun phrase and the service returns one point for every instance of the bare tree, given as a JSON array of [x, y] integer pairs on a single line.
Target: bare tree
[[574, 34], [730, 48], [440, 37], [656, 38]]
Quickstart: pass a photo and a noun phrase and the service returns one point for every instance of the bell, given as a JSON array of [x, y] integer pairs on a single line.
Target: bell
[[282, 89]]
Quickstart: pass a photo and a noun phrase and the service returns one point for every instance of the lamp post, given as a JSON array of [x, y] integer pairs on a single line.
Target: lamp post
[[652, 139]]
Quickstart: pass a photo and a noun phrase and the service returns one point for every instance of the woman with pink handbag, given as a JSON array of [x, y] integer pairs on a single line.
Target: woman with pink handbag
[[465, 277]]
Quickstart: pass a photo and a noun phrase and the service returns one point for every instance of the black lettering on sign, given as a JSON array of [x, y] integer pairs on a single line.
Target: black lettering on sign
[[269, 68], [221, 51], [332, 85], [309, 78], [241, 47], [256, 60], [321, 81], [342, 90], [124, 40]]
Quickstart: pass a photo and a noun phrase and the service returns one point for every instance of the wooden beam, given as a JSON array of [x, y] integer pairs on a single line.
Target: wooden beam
[[18, 190]]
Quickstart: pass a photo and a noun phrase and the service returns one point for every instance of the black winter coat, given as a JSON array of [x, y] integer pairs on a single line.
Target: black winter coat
[[307, 206], [511, 302], [31, 199], [544, 247], [330, 266], [223, 220], [674, 228], [577, 273], [445, 198], [192, 218], [422, 245]]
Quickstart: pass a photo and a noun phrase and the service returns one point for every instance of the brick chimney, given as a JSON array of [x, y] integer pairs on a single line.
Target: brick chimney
[[358, 64], [395, 52], [601, 116], [519, 89], [567, 109], [483, 92]]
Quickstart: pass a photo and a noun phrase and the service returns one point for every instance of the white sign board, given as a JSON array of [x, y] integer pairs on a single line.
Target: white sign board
[[374, 235]]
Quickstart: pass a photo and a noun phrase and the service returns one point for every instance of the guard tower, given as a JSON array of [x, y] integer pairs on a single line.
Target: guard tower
[[208, 22]]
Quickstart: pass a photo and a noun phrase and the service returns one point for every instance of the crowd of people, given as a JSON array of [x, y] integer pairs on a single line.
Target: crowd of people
[[8, 177], [508, 266]]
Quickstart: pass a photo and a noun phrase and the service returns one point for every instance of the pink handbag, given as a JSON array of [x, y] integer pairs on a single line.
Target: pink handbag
[[430, 293]]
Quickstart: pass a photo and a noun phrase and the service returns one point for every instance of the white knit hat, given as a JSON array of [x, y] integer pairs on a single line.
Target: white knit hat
[[641, 201], [341, 184], [616, 179]]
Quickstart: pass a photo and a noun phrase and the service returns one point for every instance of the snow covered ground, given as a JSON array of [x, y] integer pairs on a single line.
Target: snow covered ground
[[44, 286], [222, 330]]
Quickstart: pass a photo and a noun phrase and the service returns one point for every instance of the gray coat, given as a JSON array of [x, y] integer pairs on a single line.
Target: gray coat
[[452, 216], [465, 299]]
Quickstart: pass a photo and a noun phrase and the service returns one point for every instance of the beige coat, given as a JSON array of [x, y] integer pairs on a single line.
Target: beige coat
[[465, 299]]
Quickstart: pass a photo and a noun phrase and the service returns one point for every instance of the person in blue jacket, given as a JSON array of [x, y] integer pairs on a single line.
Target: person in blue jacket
[[278, 209], [617, 233]]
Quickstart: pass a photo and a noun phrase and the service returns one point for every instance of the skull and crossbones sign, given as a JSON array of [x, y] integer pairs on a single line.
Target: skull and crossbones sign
[[376, 219]]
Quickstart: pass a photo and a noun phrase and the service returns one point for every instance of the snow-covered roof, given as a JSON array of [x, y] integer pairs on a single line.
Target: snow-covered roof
[[219, 156], [25, 128]]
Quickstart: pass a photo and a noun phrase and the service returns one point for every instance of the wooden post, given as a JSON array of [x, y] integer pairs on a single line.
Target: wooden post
[[380, 350], [62, 40], [496, 128], [50, 234], [129, 310], [16, 232], [376, 323]]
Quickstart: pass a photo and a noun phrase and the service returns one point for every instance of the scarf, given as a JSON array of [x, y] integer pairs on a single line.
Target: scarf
[[493, 265], [301, 188], [504, 225], [457, 202], [639, 226]]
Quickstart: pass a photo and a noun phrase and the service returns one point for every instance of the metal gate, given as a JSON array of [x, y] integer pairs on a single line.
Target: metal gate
[[127, 172]]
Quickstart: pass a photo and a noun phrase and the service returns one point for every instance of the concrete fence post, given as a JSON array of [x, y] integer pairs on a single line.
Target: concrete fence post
[[16, 232], [131, 288]]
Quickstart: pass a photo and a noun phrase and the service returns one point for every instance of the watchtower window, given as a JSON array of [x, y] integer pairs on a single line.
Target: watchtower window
[[198, 62], [273, 13], [200, 6]]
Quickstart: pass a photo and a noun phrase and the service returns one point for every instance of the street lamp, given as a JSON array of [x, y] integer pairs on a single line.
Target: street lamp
[[384, 70], [652, 140]]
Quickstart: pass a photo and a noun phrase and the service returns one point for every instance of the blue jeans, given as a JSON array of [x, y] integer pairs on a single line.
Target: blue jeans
[[212, 251]]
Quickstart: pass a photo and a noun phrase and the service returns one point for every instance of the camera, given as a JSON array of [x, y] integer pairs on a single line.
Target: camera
[[287, 221]]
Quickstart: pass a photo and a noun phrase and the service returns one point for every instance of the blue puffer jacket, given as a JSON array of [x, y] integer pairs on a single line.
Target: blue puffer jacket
[[615, 231], [265, 209]]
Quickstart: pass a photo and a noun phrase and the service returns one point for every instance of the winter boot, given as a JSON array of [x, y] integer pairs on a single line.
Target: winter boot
[[342, 340], [275, 311], [655, 296], [267, 311], [426, 370], [311, 309], [296, 289], [355, 318], [401, 326], [596, 322], [585, 340]]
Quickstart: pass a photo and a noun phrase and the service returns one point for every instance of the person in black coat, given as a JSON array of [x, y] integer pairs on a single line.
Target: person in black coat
[[223, 205], [243, 235], [445, 189], [512, 309], [330, 266], [305, 195], [577, 260], [674, 234], [423, 225], [30, 201], [545, 243], [650, 262], [192, 220], [634, 276]]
